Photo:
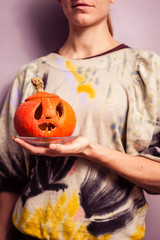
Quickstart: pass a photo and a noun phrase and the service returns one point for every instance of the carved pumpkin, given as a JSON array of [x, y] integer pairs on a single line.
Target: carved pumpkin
[[44, 115]]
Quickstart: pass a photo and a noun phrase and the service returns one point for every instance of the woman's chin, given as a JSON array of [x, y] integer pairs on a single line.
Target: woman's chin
[[81, 21]]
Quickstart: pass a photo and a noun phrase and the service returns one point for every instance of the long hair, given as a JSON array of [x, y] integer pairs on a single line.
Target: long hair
[[109, 23]]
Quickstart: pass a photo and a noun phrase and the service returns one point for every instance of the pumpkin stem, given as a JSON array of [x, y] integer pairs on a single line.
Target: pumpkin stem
[[38, 84]]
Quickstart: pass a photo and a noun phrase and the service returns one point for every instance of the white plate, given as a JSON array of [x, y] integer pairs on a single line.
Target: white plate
[[45, 141]]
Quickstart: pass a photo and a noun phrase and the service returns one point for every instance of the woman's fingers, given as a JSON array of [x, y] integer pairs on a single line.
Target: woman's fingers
[[36, 150], [75, 147]]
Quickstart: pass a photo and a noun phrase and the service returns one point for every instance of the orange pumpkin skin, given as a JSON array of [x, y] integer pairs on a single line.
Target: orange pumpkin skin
[[44, 115]]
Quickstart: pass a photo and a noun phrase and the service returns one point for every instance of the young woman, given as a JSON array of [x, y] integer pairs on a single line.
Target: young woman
[[91, 188]]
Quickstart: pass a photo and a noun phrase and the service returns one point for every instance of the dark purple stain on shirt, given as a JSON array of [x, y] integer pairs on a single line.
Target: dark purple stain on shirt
[[99, 199]]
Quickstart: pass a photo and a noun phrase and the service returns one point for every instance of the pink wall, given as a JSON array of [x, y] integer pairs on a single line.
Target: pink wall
[[29, 29]]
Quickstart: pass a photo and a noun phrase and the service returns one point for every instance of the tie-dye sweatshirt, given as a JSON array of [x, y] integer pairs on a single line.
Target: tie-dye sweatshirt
[[116, 98]]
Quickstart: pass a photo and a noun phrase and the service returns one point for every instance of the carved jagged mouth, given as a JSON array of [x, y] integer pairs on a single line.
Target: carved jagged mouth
[[46, 127]]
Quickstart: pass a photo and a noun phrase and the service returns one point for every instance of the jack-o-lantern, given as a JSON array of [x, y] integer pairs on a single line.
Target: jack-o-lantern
[[44, 115]]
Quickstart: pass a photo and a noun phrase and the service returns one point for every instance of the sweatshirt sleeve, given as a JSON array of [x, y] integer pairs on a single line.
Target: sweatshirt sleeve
[[150, 70], [14, 164]]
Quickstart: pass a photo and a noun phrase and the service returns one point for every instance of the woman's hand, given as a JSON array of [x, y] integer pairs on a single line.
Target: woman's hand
[[77, 147]]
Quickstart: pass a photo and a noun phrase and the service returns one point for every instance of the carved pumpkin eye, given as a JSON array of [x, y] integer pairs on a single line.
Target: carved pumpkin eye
[[38, 112], [38, 115], [59, 109]]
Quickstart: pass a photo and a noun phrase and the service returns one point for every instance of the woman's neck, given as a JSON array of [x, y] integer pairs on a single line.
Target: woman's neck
[[87, 41]]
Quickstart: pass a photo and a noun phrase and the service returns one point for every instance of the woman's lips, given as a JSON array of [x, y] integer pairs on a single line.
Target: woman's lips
[[76, 5]]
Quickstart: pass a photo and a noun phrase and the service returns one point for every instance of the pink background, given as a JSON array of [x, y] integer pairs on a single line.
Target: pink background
[[32, 28]]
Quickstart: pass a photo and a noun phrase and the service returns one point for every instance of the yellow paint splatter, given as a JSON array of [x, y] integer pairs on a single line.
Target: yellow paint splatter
[[139, 233], [73, 205], [32, 224], [60, 207], [86, 88], [72, 67], [68, 228], [106, 237], [80, 233], [80, 77], [56, 221], [50, 222], [24, 216]]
